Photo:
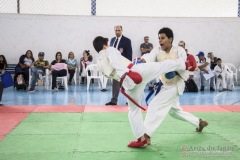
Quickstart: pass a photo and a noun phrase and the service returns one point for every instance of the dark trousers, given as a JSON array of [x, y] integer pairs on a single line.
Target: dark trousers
[[71, 73], [1, 90], [23, 70], [115, 91], [56, 74]]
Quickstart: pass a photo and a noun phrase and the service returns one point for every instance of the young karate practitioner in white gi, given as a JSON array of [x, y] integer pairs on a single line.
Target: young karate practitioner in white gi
[[224, 76], [134, 79], [167, 100]]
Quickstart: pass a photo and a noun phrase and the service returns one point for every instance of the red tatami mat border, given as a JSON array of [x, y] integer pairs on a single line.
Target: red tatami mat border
[[96, 108]]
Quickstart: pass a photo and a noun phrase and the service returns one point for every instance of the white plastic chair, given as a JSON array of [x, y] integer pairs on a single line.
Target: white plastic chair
[[234, 69], [79, 68], [74, 76], [104, 82], [197, 79], [95, 74], [45, 78]]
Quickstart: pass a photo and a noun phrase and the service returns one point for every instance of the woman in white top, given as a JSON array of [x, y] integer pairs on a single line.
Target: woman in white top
[[72, 65], [25, 62]]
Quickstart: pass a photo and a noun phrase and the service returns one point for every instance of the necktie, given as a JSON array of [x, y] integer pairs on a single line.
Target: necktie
[[115, 44]]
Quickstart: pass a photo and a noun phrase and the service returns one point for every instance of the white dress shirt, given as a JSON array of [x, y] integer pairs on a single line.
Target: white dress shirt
[[119, 39]]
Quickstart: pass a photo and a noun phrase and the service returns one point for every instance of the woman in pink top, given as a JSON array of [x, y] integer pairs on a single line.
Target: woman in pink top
[[58, 68]]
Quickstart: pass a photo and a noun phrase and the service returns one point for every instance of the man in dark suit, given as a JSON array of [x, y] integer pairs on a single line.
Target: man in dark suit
[[123, 44]]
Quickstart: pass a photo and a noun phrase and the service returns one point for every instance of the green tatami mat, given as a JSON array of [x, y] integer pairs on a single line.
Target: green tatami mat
[[104, 136]]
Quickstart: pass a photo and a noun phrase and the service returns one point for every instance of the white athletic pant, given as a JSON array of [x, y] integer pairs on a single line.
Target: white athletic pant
[[150, 71], [226, 81], [166, 101]]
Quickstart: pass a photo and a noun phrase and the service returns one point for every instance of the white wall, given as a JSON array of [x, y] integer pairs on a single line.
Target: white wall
[[145, 8], [168, 8], [75, 33]]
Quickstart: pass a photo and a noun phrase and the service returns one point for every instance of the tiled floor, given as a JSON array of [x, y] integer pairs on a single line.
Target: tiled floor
[[78, 95]]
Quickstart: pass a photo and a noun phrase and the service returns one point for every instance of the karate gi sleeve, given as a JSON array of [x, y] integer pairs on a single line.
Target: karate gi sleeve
[[152, 56], [115, 60], [182, 53]]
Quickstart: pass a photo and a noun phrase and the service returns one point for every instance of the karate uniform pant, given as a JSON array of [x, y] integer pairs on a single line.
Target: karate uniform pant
[[161, 104], [167, 101], [226, 81]]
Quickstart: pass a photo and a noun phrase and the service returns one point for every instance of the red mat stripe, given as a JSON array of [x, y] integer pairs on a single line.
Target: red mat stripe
[[78, 109], [17, 109], [9, 121], [2, 137], [59, 109], [11, 116]]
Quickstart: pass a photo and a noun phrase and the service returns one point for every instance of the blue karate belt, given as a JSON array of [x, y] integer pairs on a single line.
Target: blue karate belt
[[156, 89]]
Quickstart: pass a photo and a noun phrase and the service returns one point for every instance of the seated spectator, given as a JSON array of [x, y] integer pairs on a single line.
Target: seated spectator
[[90, 59], [224, 76], [38, 70], [204, 66], [58, 69], [190, 59], [72, 65], [25, 62], [146, 47], [84, 61], [3, 64], [213, 60]]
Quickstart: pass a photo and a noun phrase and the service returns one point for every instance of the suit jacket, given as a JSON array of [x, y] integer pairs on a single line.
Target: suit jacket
[[125, 44]]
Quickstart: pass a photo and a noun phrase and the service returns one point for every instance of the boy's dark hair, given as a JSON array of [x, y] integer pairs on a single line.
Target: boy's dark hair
[[98, 43], [167, 31], [87, 51], [90, 58], [219, 59]]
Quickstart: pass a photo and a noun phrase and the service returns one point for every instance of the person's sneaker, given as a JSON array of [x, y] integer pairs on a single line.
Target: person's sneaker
[[31, 90], [202, 124], [110, 104], [54, 89], [61, 87], [138, 143], [103, 90], [40, 76], [229, 89], [224, 89], [212, 89]]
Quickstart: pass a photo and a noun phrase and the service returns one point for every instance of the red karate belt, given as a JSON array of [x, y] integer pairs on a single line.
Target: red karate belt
[[123, 90]]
